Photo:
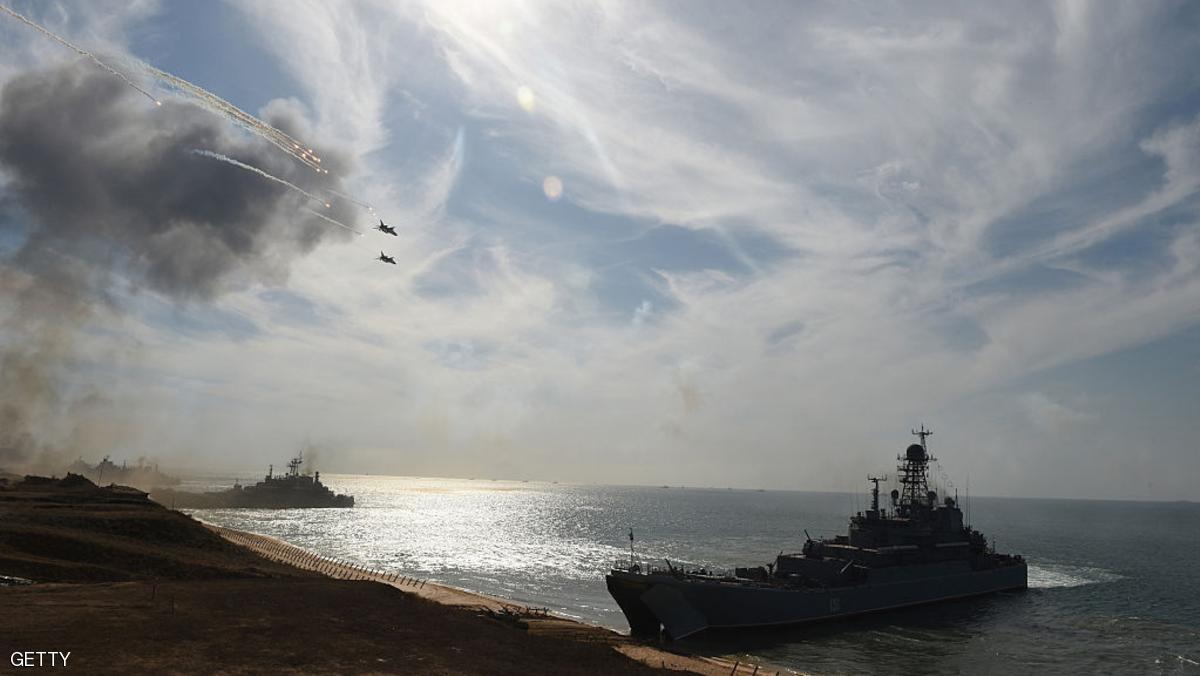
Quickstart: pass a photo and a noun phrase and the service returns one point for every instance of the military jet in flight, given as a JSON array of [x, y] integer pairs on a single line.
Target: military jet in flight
[[385, 228], [386, 258]]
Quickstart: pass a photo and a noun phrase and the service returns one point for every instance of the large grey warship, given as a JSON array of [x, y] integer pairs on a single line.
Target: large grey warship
[[291, 490], [917, 552]]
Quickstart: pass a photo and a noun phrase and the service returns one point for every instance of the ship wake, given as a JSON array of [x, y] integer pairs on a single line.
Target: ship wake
[[1053, 576]]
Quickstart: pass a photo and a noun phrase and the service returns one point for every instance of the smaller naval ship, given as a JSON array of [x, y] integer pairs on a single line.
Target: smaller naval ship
[[914, 553], [291, 490], [141, 475]]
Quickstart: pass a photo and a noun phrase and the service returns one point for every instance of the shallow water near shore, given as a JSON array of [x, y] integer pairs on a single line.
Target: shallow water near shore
[[1113, 585]]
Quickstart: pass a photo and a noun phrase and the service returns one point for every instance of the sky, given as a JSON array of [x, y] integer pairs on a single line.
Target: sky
[[685, 243]]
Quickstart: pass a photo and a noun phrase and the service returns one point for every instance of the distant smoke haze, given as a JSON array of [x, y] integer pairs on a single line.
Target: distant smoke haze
[[103, 193]]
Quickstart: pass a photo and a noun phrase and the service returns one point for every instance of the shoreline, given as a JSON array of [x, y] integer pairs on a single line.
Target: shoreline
[[182, 596], [537, 621]]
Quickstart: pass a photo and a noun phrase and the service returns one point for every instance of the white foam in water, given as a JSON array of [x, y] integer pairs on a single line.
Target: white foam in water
[[1051, 576]]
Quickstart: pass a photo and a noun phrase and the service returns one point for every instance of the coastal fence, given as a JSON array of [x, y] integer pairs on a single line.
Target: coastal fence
[[512, 612], [298, 557], [751, 669]]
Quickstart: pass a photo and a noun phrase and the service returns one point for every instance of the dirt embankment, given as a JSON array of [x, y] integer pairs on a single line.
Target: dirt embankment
[[278, 625], [125, 584], [70, 530]]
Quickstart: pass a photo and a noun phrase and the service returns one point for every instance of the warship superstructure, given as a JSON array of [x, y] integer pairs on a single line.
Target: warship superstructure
[[142, 475], [919, 551], [290, 490]]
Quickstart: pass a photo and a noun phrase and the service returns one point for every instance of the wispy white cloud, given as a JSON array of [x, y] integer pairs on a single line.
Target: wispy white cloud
[[868, 172], [1052, 415]]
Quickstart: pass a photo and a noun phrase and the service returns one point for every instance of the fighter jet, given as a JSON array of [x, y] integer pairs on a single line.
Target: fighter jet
[[386, 258], [385, 228]]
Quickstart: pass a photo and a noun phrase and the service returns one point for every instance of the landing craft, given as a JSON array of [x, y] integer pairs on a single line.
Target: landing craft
[[385, 258], [383, 227]]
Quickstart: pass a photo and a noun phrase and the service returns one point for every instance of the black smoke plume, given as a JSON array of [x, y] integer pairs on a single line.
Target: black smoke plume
[[98, 191]]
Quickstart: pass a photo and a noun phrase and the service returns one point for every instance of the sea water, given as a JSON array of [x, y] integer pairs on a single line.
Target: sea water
[[1114, 586]]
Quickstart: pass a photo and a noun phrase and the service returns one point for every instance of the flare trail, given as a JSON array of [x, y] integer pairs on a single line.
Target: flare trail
[[220, 106], [350, 199], [260, 172], [81, 51], [332, 220]]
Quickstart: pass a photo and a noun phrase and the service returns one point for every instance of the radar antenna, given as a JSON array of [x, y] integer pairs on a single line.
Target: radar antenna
[[923, 433]]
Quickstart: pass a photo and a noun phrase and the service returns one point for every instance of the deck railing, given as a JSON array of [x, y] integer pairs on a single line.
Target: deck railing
[[660, 566]]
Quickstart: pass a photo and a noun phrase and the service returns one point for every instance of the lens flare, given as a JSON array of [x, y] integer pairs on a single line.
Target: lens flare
[[526, 99], [552, 186]]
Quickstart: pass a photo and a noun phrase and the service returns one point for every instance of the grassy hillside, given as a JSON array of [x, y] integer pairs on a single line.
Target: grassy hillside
[[70, 530]]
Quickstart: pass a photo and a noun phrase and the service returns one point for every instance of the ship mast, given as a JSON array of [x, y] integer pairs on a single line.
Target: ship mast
[[294, 465], [923, 433], [875, 492], [631, 549], [914, 479]]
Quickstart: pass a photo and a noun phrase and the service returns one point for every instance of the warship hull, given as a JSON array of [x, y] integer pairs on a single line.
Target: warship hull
[[682, 606], [244, 498]]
